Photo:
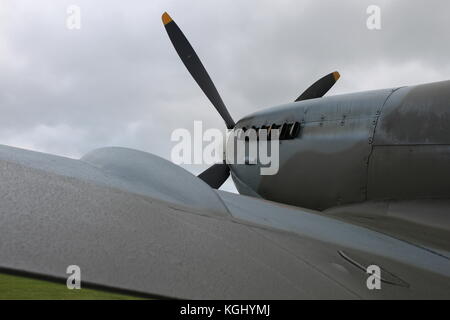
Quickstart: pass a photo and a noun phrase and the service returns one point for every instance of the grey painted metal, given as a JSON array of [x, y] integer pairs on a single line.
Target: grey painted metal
[[376, 145], [409, 172], [57, 211], [417, 115], [327, 164], [126, 169], [151, 175], [411, 151], [308, 223], [423, 222]]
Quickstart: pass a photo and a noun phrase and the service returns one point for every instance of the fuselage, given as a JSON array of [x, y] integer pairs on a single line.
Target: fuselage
[[374, 145]]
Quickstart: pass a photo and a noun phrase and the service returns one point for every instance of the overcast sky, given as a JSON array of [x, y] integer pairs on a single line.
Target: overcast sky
[[118, 81]]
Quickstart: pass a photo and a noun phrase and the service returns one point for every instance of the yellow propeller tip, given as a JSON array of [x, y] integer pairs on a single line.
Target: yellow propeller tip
[[166, 18], [336, 75]]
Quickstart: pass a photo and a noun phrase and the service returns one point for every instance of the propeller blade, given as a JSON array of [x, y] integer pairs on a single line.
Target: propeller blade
[[320, 87], [195, 67], [215, 175]]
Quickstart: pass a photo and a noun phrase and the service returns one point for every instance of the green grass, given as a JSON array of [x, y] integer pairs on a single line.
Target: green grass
[[14, 287]]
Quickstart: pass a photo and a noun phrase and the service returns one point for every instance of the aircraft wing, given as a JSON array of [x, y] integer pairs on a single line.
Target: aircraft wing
[[135, 222]]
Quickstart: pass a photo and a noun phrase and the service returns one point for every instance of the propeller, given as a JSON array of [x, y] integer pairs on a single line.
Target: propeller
[[320, 87], [217, 174], [196, 68]]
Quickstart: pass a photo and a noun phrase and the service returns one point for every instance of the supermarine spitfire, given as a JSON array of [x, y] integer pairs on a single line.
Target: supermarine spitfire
[[363, 182]]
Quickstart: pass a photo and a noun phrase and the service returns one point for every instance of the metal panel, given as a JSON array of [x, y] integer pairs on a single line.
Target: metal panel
[[332, 108], [327, 164], [409, 172], [416, 115]]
